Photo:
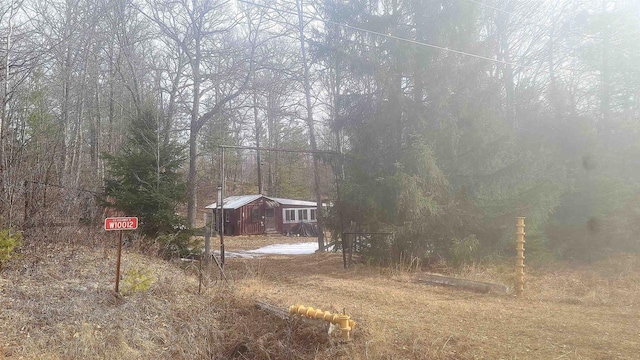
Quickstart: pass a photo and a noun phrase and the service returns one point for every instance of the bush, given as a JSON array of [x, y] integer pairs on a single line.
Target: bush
[[9, 241], [136, 280], [179, 244], [465, 250]]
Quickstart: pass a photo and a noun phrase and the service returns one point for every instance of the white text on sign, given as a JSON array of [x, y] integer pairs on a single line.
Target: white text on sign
[[121, 223]]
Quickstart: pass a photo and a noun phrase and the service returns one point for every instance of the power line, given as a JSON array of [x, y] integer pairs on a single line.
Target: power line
[[415, 42], [394, 37], [541, 24], [551, 27]]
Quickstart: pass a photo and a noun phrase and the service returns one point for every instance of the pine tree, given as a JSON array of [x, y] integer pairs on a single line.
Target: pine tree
[[144, 176]]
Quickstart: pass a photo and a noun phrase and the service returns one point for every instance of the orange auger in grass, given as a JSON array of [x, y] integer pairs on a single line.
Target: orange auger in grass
[[342, 320]]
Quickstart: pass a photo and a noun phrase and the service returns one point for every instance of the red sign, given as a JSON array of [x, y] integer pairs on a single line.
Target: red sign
[[121, 223]]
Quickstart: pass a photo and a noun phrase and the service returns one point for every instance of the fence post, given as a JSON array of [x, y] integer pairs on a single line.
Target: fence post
[[520, 256], [344, 250], [350, 244]]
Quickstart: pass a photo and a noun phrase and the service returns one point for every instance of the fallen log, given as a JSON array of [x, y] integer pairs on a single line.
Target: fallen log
[[273, 310], [477, 286], [284, 314]]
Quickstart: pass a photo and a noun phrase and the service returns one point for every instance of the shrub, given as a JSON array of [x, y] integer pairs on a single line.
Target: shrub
[[136, 280], [465, 250], [179, 244], [9, 241]]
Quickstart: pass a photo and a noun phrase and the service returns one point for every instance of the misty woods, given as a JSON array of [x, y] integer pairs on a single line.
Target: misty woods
[[451, 118]]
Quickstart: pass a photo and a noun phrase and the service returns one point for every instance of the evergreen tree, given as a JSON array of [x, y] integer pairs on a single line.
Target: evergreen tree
[[399, 132], [431, 152], [144, 176]]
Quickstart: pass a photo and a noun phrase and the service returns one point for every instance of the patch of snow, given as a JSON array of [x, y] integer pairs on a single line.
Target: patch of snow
[[287, 249], [276, 249]]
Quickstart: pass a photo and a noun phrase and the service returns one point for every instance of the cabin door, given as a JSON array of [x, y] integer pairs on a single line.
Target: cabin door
[[269, 219]]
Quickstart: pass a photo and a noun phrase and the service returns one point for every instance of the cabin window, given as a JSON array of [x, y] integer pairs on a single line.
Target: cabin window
[[289, 215], [227, 216], [255, 215], [298, 215]]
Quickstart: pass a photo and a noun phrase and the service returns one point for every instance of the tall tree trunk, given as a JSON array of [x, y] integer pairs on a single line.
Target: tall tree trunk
[[258, 130], [554, 92], [605, 74], [4, 122], [502, 24], [111, 115], [66, 89], [94, 128], [192, 188], [396, 94], [273, 134], [76, 161], [310, 125], [173, 94]]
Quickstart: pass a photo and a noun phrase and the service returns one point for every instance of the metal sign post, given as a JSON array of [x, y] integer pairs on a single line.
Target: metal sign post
[[119, 224], [118, 262]]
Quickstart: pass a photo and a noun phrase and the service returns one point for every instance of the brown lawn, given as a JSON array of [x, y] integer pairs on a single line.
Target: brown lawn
[[580, 313], [57, 302]]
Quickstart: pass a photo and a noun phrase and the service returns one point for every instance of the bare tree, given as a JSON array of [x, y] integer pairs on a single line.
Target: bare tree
[[203, 32]]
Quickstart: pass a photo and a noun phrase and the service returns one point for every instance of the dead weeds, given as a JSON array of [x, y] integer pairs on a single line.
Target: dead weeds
[[58, 303], [569, 312]]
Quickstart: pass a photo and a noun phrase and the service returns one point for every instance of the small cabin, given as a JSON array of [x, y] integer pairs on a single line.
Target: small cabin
[[260, 214]]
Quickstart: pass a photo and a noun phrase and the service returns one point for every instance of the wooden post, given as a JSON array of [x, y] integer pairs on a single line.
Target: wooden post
[[350, 248], [344, 250], [520, 256]]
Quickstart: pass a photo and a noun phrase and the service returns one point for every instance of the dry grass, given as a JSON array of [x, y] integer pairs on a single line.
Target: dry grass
[[567, 313], [58, 303]]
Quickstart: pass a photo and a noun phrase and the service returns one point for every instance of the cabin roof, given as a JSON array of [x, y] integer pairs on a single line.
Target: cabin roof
[[235, 202], [283, 201]]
